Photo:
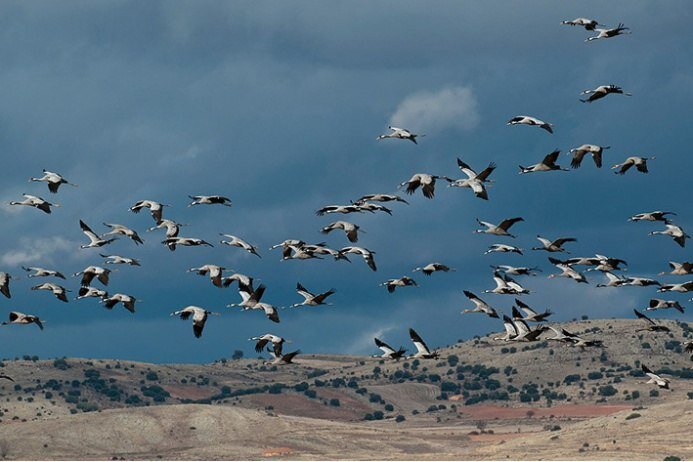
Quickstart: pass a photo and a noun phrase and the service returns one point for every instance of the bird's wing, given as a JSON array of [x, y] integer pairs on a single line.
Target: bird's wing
[[418, 342], [506, 224]]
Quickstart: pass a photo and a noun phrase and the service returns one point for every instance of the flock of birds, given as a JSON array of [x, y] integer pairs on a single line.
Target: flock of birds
[[517, 326]]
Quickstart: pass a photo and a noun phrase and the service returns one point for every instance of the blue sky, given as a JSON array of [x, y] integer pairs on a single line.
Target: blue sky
[[278, 105]]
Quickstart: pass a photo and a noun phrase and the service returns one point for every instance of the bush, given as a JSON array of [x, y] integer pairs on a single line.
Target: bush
[[378, 415], [400, 418], [672, 458], [152, 376], [238, 354], [61, 364], [607, 390], [595, 375], [389, 407], [634, 415], [334, 402]]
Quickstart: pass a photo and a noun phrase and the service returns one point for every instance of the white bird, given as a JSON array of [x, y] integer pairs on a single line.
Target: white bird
[[37, 272], [640, 164], [578, 341], [422, 350], [675, 232], [640, 282], [524, 333], [118, 260], [320, 249], [516, 270], [369, 207], [510, 330], [553, 246], [503, 248], [172, 242], [500, 229], [600, 262], [284, 359], [351, 230], [87, 292], [388, 351], [37, 202], [480, 306], [392, 284], [601, 91], [679, 269], [235, 241], [94, 239], [474, 180], [155, 208], [199, 317], [425, 181], [54, 180], [58, 291], [567, 271], [432, 268], [659, 304], [269, 310], [529, 120], [123, 231], [400, 133], [560, 335], [20, 318], [505, 286], [683, 287], [293, 252], [658, 380], [581, 151], [5, 284], [379, 198], [210, 200], [239, 278], [613, 280], [249, 295], [263, 340], [213, 271], [529, 314], [128, 301], [609, 33], [657, 215], [365, 253], [172, 228], [90, 272], [547, 164], [311, 299], [588, 24], [352, 208]]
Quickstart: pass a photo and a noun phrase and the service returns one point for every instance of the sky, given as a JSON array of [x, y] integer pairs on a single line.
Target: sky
[[278, 105]]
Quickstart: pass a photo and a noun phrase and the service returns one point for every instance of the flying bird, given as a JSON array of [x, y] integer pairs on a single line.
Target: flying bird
[[15, 317], [234, 241], [529, 120], [344, 209], [155, 208], [658, 380], [379, 198], [199, 317], [500, 229], [425, 181], [659, 304], [503, 248], [581, 151], [404, 281], [609, 33], [422, 350], [601, 91], [529, 314], [172, 228], [128, 301], [91, 292], [351, 230], [432, 268], [54, 180], [474, 180], [553, 246], [37, 272], [210, 200], [588, 24], [567, 271], [311, 299], [284, 359], [388, 351], [640, 164], [679, 269], [59, 291], [263, 340], [516, 270], [675, 232], [214, 272], [613, 280], [480, 306], [400, 133], [505, 285], [94, 239], [547, 164], [365, 253], [657, 215], [118, 260], [650, 324], [172, 242], [90, 272], [123, 231], [683, 287], [37, 202]]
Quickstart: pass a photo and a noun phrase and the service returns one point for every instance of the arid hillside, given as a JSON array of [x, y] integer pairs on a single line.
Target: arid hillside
[[481, 398]]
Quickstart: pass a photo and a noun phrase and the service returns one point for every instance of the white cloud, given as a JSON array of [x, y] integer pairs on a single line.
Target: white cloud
[[431, 111], [36, 250]]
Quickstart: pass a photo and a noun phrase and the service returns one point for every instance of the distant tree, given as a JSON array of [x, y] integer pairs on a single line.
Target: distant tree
[[530, 413], [237, 354]]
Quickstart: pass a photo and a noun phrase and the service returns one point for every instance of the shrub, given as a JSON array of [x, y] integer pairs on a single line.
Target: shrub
[[634, 415], [389, 407], [61, 364], [400, 418], [595, 375], [152, 376], [334, 402], [607, 390]]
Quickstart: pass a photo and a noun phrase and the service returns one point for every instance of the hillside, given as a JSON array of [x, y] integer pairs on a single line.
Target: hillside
[[520, 392]]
